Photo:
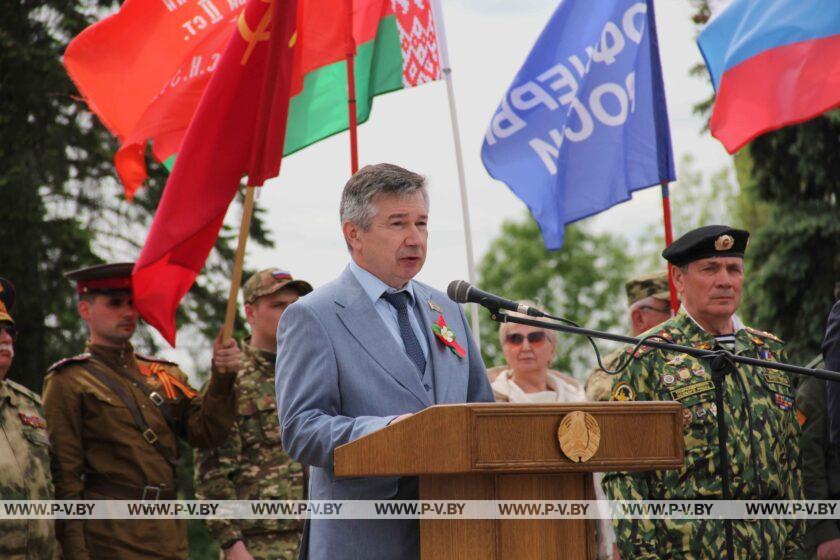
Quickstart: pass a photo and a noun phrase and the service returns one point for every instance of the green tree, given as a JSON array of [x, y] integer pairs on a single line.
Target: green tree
[[62, 206], [582, 282], [698, 198], [788, 200]]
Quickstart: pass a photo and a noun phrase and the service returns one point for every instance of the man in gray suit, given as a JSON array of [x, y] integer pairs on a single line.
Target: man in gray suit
[[366, 350]]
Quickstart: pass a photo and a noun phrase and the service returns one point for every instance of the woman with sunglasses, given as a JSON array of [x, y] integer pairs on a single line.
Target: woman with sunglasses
[[527, 378]]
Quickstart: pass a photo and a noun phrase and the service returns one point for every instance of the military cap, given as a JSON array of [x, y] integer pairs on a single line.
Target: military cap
[[102, 278], [271, 280], [706, 242], [7, 301], [654, 284]]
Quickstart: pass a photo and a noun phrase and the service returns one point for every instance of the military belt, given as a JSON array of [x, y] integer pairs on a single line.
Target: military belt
[[119, 491], [129, 401]]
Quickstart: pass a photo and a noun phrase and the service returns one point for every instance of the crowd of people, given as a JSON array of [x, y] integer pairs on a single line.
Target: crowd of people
[[327, 366]]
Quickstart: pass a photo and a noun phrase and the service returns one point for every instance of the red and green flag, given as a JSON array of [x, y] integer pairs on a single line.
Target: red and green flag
[[144, 70]]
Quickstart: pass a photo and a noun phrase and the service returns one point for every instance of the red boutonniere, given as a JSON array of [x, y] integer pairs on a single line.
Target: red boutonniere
[[447, 337]]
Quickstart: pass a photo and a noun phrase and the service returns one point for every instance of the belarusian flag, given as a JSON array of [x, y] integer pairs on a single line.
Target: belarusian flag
[[144, 69]]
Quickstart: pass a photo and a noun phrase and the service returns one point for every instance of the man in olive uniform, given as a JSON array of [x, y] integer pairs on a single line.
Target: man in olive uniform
[[251, 464], [114, 417], [24, 450], [649, 304], [763, 434], [820, 464]]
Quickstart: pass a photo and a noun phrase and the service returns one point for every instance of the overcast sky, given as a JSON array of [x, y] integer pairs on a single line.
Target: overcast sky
[[488, 41]]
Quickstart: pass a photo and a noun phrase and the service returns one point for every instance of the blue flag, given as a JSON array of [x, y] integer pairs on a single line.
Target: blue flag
[[584, 123]]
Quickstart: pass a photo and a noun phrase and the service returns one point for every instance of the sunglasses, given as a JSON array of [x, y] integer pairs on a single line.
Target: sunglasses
[[10, 330], [534, 338], [665, 311]]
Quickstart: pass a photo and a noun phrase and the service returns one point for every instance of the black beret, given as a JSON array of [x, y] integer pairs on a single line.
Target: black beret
[[706, 242]]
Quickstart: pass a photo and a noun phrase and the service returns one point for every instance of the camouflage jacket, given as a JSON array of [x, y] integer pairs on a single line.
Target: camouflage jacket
[[24, 471], [251, 464], [763, 447]]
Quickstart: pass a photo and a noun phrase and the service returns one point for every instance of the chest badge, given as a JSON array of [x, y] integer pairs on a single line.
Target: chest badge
[[622, 391], [34, 421], [783, 402]]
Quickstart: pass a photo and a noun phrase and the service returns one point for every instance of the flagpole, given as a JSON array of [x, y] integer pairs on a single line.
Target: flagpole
[[238, 260], [437, 12], [351, 110], [351, 92], [663, 143], [669, 238]]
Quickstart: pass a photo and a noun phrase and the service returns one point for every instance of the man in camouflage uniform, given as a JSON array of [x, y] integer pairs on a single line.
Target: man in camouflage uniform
[[24, 450], [251, 464], [763, 438], [649, 304], [114, 419]]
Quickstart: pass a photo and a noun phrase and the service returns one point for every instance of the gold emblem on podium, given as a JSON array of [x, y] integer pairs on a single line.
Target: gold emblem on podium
[[579, 436]]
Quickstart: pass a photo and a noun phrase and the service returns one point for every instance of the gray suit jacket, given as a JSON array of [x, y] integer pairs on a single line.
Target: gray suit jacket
[[341, 375]]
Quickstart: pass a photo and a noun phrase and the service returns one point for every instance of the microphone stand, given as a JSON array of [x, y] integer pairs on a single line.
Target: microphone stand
[[721, 362]]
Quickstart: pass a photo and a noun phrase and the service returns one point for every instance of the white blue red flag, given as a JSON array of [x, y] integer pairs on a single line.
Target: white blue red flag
[[773, 63]]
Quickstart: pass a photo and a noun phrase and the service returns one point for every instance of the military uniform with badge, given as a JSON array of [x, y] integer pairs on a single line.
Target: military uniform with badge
[[24, 450], [763, 433], [251, 464], [653, 285], [114, 419]]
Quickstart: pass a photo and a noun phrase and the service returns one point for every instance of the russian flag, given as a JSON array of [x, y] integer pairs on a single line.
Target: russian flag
[[773, 63]]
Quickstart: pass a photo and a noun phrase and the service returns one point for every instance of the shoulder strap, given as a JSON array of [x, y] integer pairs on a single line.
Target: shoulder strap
[[148, 434]]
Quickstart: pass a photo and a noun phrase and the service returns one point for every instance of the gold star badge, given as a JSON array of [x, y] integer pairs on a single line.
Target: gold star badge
[[724, 243], [435, 307]]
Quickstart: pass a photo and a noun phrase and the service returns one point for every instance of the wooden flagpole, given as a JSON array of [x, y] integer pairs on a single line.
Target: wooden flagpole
[[351, 112], [238, 261], [351, 91]]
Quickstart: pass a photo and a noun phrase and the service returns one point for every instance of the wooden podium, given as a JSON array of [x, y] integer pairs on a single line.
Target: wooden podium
[[492, 451]]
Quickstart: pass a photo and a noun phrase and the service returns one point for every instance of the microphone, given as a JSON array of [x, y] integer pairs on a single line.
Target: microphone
[[460, 291]]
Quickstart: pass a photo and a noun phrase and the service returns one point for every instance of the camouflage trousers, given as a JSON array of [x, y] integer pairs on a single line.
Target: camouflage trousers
[[272, 546]]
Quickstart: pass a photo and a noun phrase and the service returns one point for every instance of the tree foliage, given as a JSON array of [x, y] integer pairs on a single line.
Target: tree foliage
[[794, 257], [583, 282], [62, 205]]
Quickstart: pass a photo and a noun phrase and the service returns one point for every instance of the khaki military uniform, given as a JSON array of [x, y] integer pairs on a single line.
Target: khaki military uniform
[[598, 382], [251, 465], [99, 452], [763, 447], [24, 472]]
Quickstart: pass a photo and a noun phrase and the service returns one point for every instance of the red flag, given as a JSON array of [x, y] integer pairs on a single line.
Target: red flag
[[144, 69], [240, 118]]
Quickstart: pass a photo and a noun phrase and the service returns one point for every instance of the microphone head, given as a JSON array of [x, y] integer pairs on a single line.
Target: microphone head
[[457, 291]]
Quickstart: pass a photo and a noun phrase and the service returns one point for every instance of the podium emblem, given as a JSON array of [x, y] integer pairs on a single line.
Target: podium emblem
[[579, 436]]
